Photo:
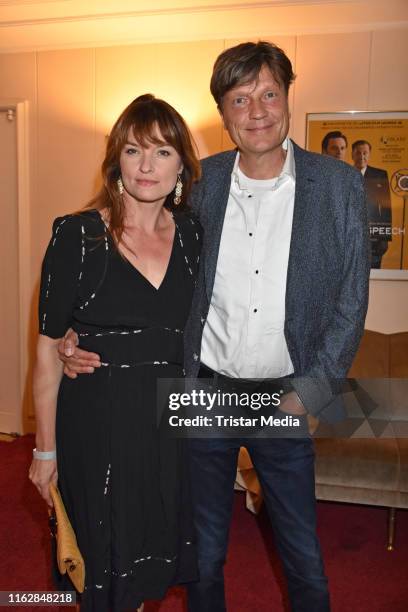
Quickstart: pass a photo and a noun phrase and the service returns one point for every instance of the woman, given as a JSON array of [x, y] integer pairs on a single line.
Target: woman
[[121, 273]]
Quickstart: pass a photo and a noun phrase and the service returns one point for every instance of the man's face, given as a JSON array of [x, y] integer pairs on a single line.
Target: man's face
[[256, 114], [361, 155], [337, 147]]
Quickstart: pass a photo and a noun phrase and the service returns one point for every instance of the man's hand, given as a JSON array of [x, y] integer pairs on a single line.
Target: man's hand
[[291, 404], [76, 361]]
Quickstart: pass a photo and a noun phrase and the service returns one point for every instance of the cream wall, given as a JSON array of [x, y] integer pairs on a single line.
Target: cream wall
[[75, 95]]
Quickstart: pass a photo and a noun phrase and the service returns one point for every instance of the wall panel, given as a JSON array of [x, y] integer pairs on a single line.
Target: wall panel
[[388, 71], [18, 76], [65, 138], [333, 75]]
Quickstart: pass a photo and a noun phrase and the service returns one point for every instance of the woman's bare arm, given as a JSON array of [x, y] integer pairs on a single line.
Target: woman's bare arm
[[46, 380]]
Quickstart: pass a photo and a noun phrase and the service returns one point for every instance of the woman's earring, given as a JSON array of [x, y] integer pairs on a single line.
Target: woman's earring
[[178, 191], [120, 185]]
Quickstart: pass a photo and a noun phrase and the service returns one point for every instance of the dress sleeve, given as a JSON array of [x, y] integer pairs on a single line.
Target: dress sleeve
[[60, 276]]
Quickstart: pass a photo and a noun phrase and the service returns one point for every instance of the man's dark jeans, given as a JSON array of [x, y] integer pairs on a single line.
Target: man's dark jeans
[[285, 468]]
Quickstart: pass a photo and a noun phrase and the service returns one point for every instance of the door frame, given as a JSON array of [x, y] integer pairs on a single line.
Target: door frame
[[21, 110]]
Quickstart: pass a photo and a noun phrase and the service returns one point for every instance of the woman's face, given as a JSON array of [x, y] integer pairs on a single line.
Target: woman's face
[[149, 173]]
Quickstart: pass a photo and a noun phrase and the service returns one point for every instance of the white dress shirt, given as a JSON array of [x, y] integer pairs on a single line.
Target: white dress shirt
[[243, 336]]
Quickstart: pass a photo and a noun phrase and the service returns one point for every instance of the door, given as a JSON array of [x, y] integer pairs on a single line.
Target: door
[[10, 394]]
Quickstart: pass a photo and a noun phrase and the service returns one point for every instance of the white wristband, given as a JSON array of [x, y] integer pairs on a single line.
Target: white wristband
[[44, 455]]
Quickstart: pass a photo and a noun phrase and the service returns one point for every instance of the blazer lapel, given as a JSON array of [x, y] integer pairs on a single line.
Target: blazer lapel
[[303, 216], [217, 194]]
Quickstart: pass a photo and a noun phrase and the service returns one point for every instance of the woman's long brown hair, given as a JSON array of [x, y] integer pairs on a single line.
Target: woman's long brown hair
[[142, 118]]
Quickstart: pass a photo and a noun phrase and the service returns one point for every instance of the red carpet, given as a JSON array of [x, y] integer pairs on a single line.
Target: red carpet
[[363, 576]]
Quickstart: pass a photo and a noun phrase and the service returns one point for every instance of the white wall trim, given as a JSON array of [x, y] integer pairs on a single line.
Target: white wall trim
[[152, 12], [23, 169], [19, 2], [249, 34]]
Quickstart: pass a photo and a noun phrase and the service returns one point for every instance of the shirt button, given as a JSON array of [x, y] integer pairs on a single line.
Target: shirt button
[[249, 196], [250, 233], [256, 271], [255, 310]]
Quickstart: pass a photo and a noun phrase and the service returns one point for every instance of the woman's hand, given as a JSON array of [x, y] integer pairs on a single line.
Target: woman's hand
[[42, 473], [75, 360]]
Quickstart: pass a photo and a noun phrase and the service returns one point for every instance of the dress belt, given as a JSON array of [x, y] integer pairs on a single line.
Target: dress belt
[[139, 364], [206, 372]]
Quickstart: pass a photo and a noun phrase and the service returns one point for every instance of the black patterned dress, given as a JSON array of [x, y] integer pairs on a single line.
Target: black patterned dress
[[124, 482]]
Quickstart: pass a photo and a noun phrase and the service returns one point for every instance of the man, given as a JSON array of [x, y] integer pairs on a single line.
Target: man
[[378, 200], [282, 296], [335, 144]]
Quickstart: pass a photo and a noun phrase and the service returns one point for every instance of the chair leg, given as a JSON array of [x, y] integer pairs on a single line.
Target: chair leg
[[391, 528]]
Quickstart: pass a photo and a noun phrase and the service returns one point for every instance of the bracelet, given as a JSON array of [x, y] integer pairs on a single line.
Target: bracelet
[[297, 398], [44, 455]]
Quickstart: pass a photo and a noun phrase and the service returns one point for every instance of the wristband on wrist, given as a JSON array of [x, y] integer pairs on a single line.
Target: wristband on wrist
[[44, 455]]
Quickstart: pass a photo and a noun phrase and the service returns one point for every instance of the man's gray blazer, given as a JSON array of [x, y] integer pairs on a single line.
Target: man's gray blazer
[[328, 271]]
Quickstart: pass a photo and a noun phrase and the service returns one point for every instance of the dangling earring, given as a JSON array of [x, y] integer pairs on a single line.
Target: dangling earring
[[120, 185], [178, 191]]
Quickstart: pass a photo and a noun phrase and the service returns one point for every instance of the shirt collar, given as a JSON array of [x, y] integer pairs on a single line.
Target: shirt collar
[[288, 168]]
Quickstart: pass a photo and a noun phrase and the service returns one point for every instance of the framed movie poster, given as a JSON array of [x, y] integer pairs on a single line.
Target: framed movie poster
[[376, 144]]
